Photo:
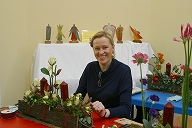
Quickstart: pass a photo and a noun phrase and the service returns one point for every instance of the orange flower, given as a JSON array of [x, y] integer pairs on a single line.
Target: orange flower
[[160, 55], [161, 60], [158, 66]]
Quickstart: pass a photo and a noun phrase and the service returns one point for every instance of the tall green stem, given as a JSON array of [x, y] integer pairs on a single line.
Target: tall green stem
[[143, 93], [185, 88]]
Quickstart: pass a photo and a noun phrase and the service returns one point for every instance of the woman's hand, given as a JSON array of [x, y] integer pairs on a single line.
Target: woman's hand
[[99, 108]]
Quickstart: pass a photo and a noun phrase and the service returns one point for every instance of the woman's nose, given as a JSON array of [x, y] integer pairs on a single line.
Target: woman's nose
[[101, 51]]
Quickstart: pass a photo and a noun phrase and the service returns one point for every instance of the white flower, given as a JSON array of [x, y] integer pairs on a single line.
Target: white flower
[[54, 96], [47, 93], [49, 68], [71, 96], [27, 93], [76, 101], [36, 82], [69, 103], [45, 97], [87, 108], [52, 60], [79, 95], [58, 82]]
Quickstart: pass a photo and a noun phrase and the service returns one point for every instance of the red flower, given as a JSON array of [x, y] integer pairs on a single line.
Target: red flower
[[155, 79], [174, 77]]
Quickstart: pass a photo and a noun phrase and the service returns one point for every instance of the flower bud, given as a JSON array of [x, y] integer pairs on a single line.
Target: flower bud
[[52, 61], [45, 97], [49, 68], [76, 102], [47, 93], [27, 93], [36, 82], [54, 96], [69, 103]]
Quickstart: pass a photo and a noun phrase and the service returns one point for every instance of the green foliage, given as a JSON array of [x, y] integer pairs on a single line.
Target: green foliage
[[45, 71], [75, 105], [160, 125], [190, 100], [147, 124]]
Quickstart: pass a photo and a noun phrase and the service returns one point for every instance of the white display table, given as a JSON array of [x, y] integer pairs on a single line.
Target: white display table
[[73, 57]]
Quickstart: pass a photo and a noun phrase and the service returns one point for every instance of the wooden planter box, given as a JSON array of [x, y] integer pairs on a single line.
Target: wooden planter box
[[157, 86], [54, 116], [175, 89]]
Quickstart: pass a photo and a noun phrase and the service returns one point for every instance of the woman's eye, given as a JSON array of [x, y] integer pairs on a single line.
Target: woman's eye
[[97, 49]]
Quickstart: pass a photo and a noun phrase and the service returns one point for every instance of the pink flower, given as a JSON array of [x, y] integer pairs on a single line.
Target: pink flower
[[140, 58], [190, 70], [175, 39], [183, 67], [187, 33]]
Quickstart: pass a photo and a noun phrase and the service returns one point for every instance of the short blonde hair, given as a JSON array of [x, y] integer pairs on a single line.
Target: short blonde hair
[[102, 34]]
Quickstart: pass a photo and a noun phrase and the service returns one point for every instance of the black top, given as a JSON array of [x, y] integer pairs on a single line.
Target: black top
[[115, 89]]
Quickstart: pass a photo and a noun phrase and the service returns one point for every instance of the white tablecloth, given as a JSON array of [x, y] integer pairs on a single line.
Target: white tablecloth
[[73, 57]]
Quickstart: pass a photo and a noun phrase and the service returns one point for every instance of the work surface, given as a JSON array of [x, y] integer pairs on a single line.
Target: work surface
[[137, 100]]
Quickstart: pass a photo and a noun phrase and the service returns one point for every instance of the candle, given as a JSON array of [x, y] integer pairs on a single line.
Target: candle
[[43, 81], [64, 90], [168, 114], [168, 69]]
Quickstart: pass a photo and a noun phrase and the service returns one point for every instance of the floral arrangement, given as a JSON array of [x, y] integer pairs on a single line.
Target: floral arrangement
[[186, 39], [50, 97], [153, 114], [171, 80], [75, 105]]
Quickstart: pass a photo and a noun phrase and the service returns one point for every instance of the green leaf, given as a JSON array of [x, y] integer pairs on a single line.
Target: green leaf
[[167, 126], [45, 71], [147, 124], [89, 120]]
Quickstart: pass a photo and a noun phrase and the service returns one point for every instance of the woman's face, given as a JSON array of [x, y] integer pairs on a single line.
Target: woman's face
[[103, 50]]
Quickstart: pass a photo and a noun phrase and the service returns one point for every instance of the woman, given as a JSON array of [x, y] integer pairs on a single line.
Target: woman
[[107, 81]]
